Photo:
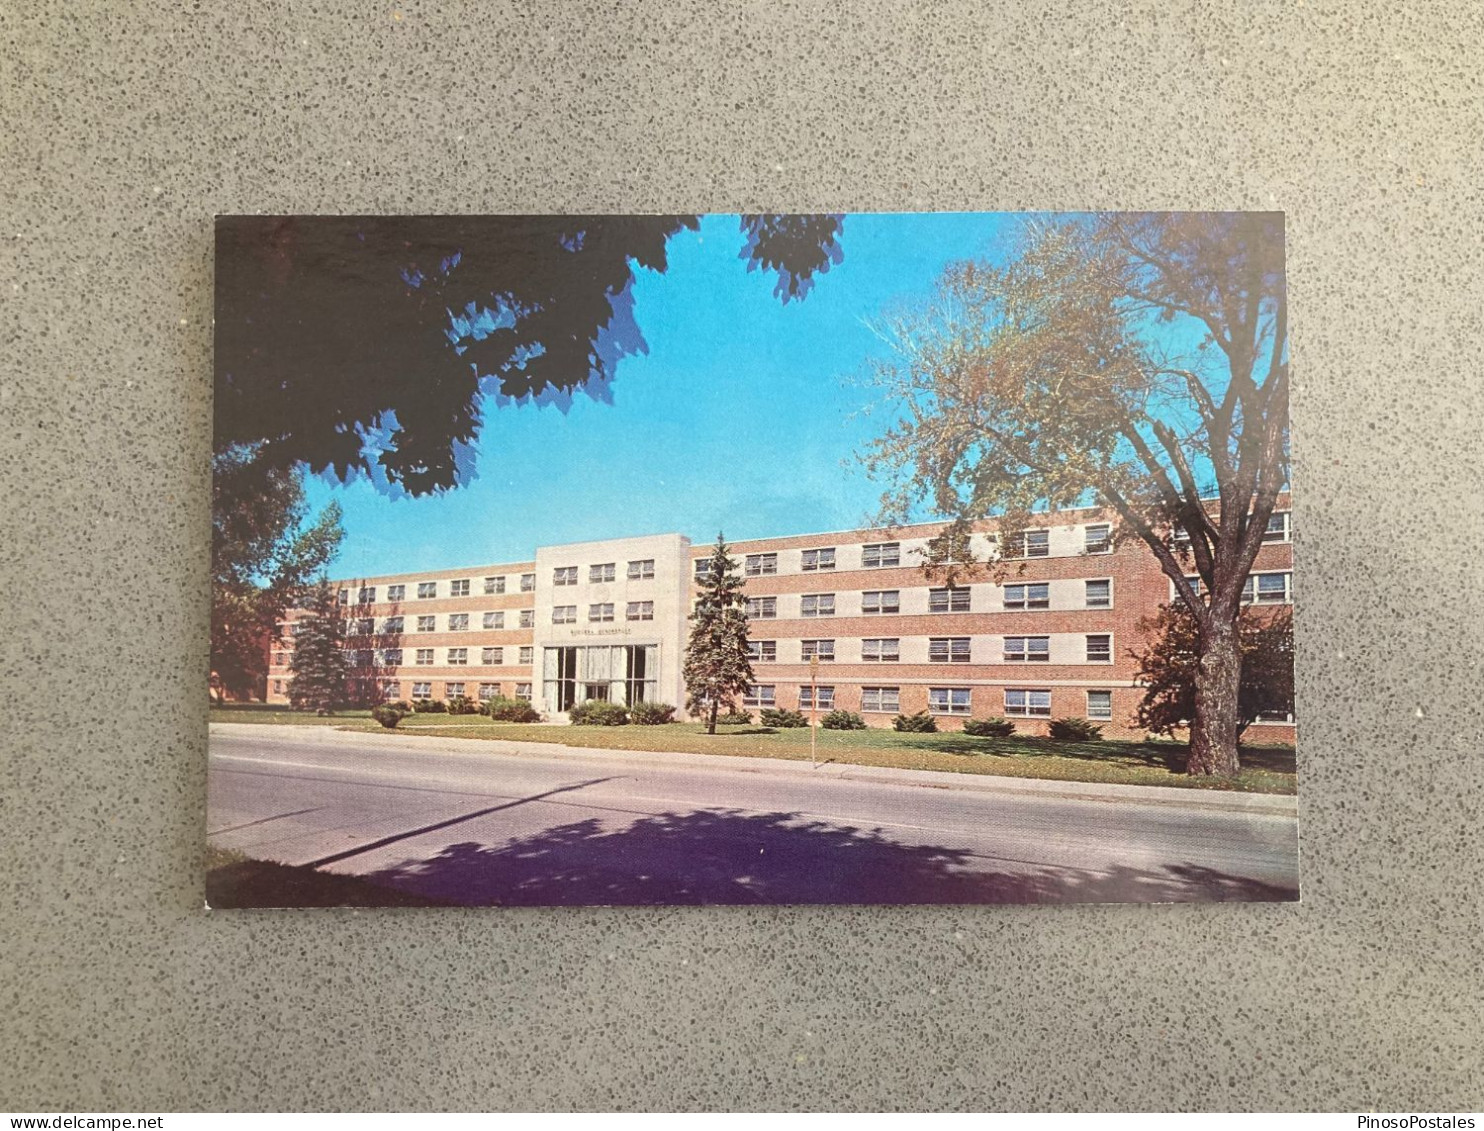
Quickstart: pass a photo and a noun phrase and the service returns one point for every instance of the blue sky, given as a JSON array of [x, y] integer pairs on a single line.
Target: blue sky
[[743, 417]]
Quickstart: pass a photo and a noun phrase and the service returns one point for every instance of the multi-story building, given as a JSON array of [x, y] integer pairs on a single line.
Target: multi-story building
[[1052, 636]]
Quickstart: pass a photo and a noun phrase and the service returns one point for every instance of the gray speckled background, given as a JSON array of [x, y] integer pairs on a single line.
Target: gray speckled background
[[126, 127]]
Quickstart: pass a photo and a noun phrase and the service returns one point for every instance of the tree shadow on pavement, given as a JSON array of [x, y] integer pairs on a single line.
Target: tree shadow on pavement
[[732, 857]]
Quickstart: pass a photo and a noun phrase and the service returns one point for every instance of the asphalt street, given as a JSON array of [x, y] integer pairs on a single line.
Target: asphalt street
[[478, 823]]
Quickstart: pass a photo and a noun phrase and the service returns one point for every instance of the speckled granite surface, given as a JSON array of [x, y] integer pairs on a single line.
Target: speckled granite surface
[[126, 127]]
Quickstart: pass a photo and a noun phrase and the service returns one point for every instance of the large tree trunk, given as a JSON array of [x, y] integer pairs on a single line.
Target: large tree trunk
[[1213, 732], [711, 718]]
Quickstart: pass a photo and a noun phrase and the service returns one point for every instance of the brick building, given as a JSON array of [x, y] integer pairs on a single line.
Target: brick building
[[607, 620]]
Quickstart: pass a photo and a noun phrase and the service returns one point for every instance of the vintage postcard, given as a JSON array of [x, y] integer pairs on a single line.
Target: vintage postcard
[[751, 559]]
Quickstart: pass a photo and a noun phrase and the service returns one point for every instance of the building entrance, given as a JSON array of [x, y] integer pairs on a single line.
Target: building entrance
[[623, 673]]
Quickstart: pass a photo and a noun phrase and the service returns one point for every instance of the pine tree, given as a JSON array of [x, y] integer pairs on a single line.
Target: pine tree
[[716, 664], [319, 668]]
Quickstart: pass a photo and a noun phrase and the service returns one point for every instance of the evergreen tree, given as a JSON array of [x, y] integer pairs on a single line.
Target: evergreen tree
[[716, 665], [319, 668]]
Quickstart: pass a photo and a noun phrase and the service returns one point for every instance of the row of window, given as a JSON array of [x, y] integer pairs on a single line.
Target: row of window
[[941, 649], [426, 657], [460, 587], [455, 622], [455, 690], [1260, 589], [602, 612], [1097, 594], [1279, 529], [640, 569], [1018, 702]]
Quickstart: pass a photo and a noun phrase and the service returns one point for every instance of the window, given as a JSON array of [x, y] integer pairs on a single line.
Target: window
[[488, 691], [523, 691], [458, 622], [601, 613], [1028, 544], [818, 559], [392, 625], [817, 605], [528, 618], [1027, 703], [525, 656], [396, 592], [703, 568], [1280, 527], [881, 601], [603, 572], [527, 582], [564, 575], [343, 597], [1032, 596], [392, 657], [948, 700], [278, 687], [492, 655], [1027, 649], [422, 691], [948, 650], [390, 689], [639, 610], [884, 650], [365, 626], [1100, 649], [877, 554], [881, 699], [762, 608], [361, 658], [1100, 705], [1274, 717], [454, 690], [762, 651], [824, 649], [494, 585], [826, 698], [760, 695], [954, 600], [564, 614], [758, 564], [641, 570], [424, 657], [426, 589], [1272, 588], [427, 624], [1099, 594], [458, 657], [367, 595], [1098, 538], [458, 588], [494, 620]]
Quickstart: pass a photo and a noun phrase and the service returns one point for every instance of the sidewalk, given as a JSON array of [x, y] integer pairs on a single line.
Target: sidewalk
[[1255, 803]]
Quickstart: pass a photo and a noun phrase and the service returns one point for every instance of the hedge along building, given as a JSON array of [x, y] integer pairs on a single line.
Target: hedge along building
[[608, 620]]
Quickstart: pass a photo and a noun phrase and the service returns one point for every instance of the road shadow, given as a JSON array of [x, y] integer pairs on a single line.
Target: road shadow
[[730, 857]]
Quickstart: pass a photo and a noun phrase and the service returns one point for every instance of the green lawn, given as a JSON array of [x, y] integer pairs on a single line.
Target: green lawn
[[1266, 769]]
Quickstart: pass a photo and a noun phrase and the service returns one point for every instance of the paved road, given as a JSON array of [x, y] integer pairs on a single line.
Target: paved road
[[474, 823]]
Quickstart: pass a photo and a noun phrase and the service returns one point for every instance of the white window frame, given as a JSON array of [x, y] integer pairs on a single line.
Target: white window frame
[[814, 561], [762, 608], [523, 692], [492, 655], [950, 700], [702, 568], [457, 658], [760, 565], [641, 569], [527, 655], [1285, 531], [396, 593], [602, 573], [825, 697], [1097, 545], [392, 657], [1087, 600], [1025, 602], [877, 704], [494, 585], [564, 614], [823, 648], [562, 576], [488, 691], [458, 622], [886, 649], [875, 555], [639, 610], [449, 691], [817, 605], [600, 612], [366, 595], [1025, 654], [1020, 546], [950, 649], [427, 622], [528, 583], [427, 590], [761, 695], [424, 657], [881, 602], [762, 651], [494, 619], [1027, 709], [528, 618], [393, 625], [459, 588], [422, 690], [1088, 653], [949, 599], [1098, 715]]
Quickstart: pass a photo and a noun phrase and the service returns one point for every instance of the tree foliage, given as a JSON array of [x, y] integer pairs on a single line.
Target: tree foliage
[[1135, 361], [1167, 667], [367, 344], [262, 556], [716, 665], [318, 666]]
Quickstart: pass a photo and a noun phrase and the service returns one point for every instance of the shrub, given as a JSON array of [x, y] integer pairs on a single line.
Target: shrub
[[401, 705], [920, 723], [651, 714], [1075, 730], [462, 705], [506, 710], [780, 717], [429, 706], [843, 720], [598, 713], [734, 719], [994, 727], [389, 714]]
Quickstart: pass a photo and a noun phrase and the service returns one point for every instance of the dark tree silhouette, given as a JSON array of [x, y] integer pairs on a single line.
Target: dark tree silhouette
[[716, 664]]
